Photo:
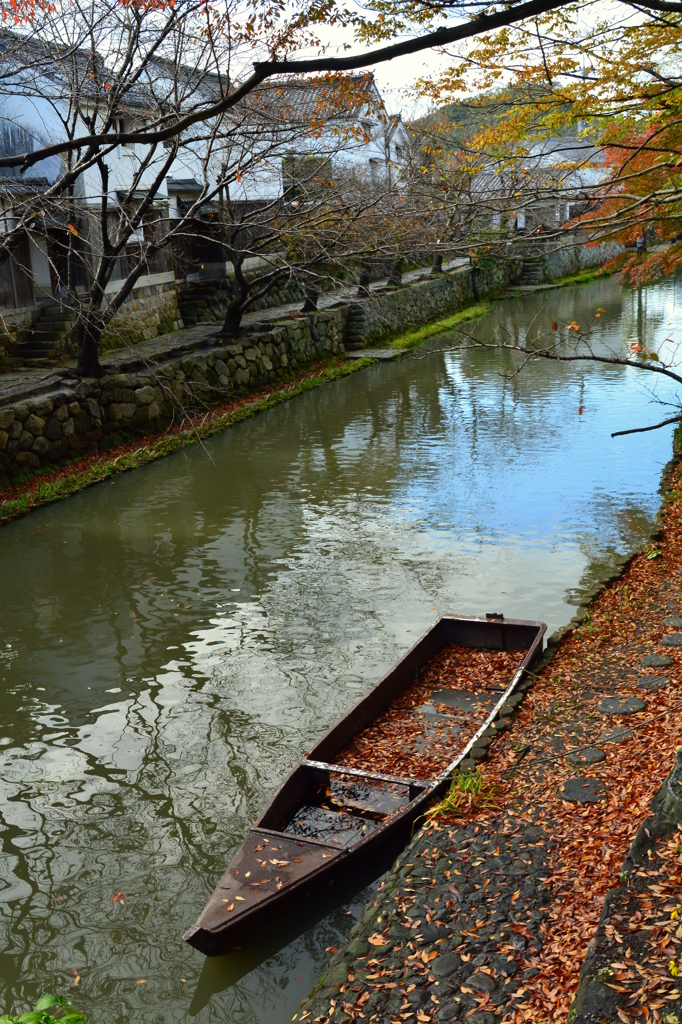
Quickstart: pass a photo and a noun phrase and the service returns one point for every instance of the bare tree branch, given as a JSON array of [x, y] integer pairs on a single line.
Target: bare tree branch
[[642, 430]]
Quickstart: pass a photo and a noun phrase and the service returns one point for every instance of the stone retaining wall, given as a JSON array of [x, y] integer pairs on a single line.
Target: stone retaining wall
[[427, 300], [14, 326], [568, 255], [152, 311], [95, 415]]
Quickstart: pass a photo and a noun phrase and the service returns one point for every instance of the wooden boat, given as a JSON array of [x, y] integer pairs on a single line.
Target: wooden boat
[[338, 813]]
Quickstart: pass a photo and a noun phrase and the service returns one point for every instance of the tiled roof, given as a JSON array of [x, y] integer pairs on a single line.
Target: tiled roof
[[183, 185]]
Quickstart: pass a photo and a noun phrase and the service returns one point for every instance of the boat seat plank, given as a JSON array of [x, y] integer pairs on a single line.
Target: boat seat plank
[[360, 772]]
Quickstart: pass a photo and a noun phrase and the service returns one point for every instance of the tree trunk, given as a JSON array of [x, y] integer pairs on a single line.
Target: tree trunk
[[311, 297], [474, 282], [437, 265], [395, 278], [88, 336], [233, 318], [235, 307]]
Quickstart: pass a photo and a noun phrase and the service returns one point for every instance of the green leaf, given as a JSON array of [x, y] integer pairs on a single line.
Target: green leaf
[[5, 1019], [72, 1017], [33, 1017], [48, 1000]]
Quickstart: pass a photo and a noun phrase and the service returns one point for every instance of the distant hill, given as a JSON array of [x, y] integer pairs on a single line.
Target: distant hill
[[460, 120]]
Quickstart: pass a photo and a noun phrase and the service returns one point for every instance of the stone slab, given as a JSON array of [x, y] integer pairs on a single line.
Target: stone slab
[[673, 622], [672, 640], [587, 755], [621, 705], [656, 661], [582, 791], [375, 353], [652, 683]]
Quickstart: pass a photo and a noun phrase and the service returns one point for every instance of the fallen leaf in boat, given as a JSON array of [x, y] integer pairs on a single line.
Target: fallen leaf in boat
[[280, 863], [118, 897], [378, 940], [325, 856], [297, 860], [247, 875], [240, 898], [394, 742], [230, 906], [260, 847], [279, 885]]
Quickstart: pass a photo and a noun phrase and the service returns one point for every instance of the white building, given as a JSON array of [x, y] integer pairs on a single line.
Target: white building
[[320, 123]]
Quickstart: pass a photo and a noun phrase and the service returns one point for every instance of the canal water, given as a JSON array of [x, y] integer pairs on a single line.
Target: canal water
[[174, 640]]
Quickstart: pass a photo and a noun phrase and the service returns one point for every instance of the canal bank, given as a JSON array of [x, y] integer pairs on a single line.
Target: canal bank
[[547, 885]]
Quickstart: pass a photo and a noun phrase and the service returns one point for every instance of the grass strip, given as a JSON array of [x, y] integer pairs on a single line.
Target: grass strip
[[586, 276], [73, 479], [417, 336]]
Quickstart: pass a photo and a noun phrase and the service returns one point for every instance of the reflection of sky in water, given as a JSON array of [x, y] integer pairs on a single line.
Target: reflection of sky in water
[[175, 641]]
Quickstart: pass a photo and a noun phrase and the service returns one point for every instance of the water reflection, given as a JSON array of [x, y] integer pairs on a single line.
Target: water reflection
[[174, 641]]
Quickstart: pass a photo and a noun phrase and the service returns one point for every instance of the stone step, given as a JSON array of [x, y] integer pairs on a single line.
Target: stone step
[[53, 330], [56, 321], [36, 345], [39, 355]]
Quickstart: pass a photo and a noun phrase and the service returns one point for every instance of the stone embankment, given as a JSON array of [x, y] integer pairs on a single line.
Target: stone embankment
[[537, 905], [145, 395], [96, 415]]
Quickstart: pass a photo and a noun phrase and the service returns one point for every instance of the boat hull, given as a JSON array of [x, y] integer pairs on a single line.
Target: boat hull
[[275, 872]]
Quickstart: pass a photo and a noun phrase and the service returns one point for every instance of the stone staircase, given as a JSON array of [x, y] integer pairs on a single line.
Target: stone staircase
[[45, 340], [533, 270], [356, 327]]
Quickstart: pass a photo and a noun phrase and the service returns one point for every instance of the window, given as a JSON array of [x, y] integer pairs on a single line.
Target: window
[[399, 152], [124, 124], [376, 167]]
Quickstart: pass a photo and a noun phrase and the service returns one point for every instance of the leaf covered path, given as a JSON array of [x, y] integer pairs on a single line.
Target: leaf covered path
[[489, 918]]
